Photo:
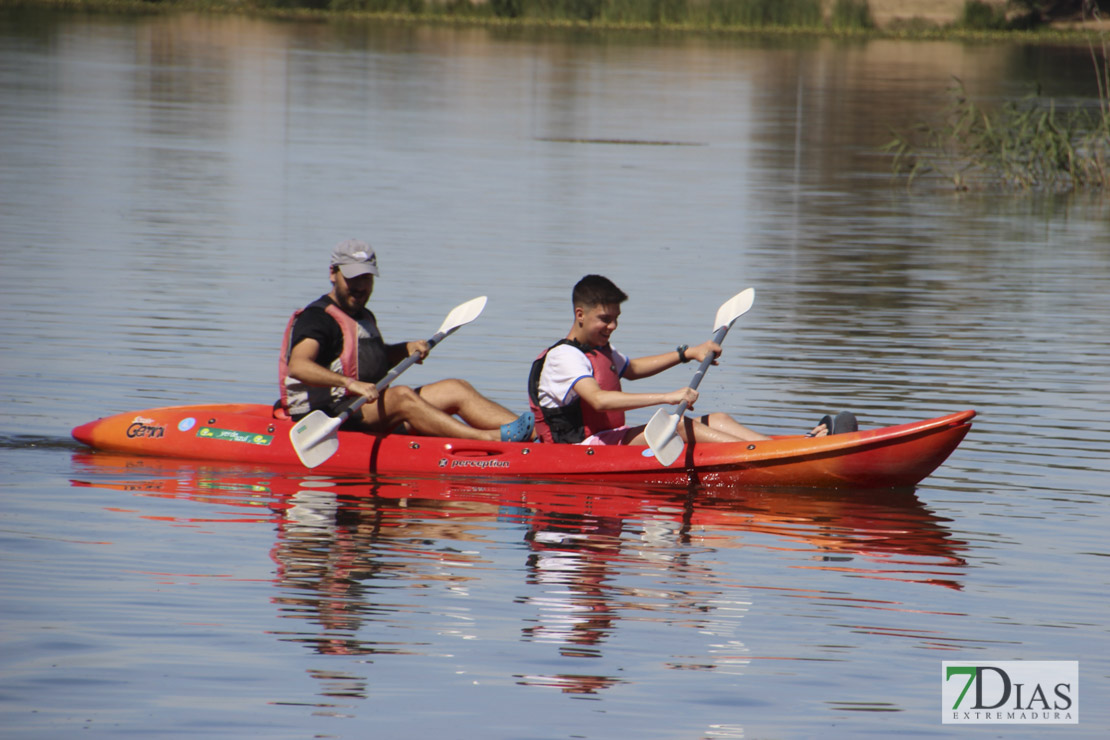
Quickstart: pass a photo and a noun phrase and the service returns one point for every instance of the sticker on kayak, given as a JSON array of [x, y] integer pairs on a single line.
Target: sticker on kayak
[[443, 463], [146, 429], [232, 435], [186, 424]]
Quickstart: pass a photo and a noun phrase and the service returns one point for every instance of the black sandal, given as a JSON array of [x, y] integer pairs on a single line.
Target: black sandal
[[827, 421], [844, 422]]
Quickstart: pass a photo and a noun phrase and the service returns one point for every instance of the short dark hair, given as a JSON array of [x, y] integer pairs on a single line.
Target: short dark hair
[[595, 290]]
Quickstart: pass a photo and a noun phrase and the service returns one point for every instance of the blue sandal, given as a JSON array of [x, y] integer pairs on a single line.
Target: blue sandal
[[519, 430]]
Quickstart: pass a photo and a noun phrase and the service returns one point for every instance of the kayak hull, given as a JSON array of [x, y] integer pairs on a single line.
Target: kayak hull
[[888, 457]]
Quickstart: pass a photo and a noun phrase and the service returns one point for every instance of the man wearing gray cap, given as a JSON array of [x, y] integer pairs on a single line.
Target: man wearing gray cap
[[333, 349]]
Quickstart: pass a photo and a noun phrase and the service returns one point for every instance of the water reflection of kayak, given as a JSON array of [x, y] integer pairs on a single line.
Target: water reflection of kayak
[[875, 534], [893, 456]]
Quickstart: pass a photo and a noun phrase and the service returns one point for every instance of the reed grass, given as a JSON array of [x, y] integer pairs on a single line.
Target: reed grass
[[798, 14], [983, 16], [851, 15], [1029, 144]]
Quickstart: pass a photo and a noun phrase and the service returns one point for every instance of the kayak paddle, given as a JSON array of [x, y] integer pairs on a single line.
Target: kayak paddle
[[315, 437], [660, 431]]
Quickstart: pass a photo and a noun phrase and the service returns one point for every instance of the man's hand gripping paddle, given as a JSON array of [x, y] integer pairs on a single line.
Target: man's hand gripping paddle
[[660, 431], [316, 436]]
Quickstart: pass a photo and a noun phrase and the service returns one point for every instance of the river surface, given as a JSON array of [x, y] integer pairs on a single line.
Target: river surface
[[170, 188]]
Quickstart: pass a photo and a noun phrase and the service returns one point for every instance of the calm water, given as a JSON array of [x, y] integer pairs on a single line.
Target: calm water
[[170, 190]]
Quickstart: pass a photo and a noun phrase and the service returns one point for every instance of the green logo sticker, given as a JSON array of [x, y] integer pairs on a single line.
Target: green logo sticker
[[232, 435]]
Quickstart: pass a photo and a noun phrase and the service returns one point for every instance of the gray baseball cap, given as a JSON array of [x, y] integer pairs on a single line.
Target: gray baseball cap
[[354, 258]]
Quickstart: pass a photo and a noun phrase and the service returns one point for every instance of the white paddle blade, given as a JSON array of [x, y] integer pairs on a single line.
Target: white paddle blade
[[734, 308], [661, 437], [315, 438], [670, 451], [463, 314]]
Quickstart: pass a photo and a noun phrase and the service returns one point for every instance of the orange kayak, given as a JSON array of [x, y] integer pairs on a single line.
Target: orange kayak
[[887, 457]]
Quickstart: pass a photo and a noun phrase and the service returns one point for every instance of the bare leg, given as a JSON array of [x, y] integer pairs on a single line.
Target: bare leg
[[699, 431], [455, 396], [725, 423], [402, 405], [714, 427], [728, 425]]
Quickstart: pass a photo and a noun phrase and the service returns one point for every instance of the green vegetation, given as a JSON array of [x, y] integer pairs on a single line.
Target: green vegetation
[[983, 16], [679, 14], [851, 14], [980, 20], [1031, 144], [1025, 145], [1025, 14], [797, 14]]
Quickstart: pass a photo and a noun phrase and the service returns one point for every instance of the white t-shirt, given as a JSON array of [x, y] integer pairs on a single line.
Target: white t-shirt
[[565, 366]]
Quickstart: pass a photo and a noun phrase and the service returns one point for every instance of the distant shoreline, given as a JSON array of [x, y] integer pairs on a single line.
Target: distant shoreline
[[897, 19]]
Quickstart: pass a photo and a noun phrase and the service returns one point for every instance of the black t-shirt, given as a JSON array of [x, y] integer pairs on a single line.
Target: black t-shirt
[[314, 322]]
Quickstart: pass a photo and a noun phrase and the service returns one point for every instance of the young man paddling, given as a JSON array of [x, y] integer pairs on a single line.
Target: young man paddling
[[575, 391], [333, 349]]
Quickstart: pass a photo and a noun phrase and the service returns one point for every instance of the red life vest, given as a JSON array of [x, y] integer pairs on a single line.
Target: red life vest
[[576, 421], [296, 397]]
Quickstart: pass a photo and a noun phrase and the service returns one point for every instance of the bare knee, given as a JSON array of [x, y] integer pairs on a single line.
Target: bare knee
[[449, 395], [452, 387], [398, 399]]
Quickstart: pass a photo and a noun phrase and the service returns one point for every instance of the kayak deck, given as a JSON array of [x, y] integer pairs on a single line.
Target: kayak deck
[[887, 457]]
